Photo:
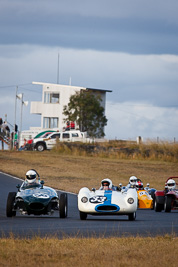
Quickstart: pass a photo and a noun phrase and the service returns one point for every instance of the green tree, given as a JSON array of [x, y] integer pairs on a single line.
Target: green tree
[[85, 109]]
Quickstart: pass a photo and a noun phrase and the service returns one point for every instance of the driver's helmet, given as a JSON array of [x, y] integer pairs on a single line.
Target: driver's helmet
[[106, 184], [171, 184], [139, 185], [133, 180], [31, 176]]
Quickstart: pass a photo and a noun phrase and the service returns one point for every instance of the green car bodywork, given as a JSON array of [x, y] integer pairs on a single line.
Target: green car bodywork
[[36, 199]]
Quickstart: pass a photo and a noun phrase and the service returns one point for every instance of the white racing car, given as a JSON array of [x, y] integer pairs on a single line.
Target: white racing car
[[108, 200]]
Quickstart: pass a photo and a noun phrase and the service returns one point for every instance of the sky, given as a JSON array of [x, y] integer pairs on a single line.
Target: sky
[[127, 46]]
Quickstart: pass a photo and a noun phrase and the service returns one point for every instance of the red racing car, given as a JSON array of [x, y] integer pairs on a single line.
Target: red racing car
[[167, 199]]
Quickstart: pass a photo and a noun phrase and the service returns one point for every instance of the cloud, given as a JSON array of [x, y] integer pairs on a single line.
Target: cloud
[[151, 79], [121, 26], [130, 120]]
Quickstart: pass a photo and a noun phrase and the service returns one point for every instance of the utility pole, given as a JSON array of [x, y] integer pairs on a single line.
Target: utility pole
[[21, 114], [58, 70], [15, 114]]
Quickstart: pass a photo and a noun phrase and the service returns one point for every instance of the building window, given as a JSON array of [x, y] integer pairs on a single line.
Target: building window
[[51, 98], [49, 123]]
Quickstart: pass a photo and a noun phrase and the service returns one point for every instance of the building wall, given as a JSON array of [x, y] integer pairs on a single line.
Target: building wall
[[55, 110]]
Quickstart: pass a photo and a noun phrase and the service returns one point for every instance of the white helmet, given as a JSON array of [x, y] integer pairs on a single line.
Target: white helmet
[[31, 176], [133, 180], [107, 180], [171, 184]]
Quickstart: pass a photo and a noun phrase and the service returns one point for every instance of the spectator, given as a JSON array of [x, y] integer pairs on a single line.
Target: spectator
[[68, 126], [0, 124], [16, 141], [72, 125], [6, 129], [23, 147]]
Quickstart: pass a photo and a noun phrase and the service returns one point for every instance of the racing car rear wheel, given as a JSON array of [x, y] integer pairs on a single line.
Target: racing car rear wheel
[[132, 216], [167, 204], [9, 206], [63, 205], [83, 215]]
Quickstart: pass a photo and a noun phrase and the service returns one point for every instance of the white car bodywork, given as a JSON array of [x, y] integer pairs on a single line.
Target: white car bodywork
[[49, 142], [110, 202]]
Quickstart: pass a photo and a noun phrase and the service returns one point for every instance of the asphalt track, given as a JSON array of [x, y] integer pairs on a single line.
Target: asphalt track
[[147, 223]]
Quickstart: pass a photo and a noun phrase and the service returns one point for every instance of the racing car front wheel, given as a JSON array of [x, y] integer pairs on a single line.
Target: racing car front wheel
[[167, 204], [63, 205], [9, 206], [157, 205], [132, 216], [83, 215]]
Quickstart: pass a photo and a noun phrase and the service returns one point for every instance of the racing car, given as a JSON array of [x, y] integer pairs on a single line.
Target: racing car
[[167, 199], [145, 196], [107, 200], [36, 199]]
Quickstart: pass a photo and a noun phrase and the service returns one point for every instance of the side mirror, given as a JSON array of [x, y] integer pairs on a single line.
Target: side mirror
[[118, 188], [93, 189], [120, 184], [42, 183], [147, 184], [18, 187]]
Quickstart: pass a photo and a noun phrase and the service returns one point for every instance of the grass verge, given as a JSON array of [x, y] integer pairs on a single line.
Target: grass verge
[[158, 251]]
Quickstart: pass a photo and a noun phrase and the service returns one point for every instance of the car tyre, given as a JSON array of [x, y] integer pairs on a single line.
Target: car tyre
[[40, 147], [132, 216], [153, 203], [9, 206], [167, 204], [157, 205], [83, 215], [63, 205]]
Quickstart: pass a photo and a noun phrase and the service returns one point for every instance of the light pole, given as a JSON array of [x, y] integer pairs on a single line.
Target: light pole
[[22, 103], [20, 97]]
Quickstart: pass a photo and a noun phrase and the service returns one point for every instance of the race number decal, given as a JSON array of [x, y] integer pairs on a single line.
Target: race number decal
[[97, 199], [40, 195], [143, 193]]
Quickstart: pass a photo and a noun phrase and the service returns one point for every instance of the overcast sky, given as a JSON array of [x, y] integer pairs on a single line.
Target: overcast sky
[[127, 46]]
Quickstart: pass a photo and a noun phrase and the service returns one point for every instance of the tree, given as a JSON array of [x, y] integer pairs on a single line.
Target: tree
[[85, 109]]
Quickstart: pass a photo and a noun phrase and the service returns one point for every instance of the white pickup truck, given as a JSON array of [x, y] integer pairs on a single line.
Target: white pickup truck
[[49, 142]]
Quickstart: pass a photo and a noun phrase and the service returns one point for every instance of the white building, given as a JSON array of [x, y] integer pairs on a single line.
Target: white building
[[54, 98]]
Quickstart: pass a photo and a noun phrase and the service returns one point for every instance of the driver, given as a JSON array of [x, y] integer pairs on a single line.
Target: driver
[[139, 185], [30, 178], [171, 184], [106, 184], [132, 181]]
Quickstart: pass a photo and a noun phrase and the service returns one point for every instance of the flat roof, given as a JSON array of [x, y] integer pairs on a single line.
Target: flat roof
[[103, 90], [93, 89]]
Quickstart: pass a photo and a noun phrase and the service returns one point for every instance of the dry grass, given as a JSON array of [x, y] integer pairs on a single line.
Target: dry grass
[[150, 150], [158, 251], [70, 172]]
